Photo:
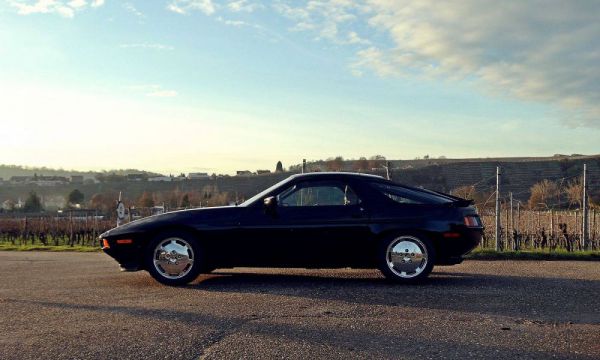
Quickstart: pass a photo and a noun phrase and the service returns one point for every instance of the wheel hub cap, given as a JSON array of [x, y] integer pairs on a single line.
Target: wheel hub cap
[[407, 256], [173, 258]]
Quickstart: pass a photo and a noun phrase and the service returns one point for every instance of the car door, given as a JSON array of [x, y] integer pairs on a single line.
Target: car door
[[315, 224]]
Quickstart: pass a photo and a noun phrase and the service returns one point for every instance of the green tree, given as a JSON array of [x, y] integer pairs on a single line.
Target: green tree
[[33, 203], [75, 197], [279, 167]]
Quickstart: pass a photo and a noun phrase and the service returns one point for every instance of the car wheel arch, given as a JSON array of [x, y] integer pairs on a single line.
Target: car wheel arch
[[151, 235], [432, 236]]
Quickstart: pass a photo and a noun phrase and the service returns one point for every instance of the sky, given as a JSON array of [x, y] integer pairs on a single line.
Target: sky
[[223, 85]]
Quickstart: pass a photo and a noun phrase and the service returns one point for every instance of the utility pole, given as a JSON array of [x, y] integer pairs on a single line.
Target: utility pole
[[512, 219], [388, 172], [552, 223], [303, 166], [584, 223], [498, 233], [509, 222], [516, 244]]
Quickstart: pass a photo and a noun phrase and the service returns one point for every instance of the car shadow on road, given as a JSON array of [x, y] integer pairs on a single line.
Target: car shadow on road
[[379, 344], [551, 300]]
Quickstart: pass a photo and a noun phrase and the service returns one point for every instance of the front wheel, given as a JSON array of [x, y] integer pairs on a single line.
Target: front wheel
[[174, 258], [406, 258]]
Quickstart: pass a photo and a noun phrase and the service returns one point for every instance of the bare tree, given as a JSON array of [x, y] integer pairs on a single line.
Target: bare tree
[[146, 200], [574, 192], [376, 161], [335, 164], [362, 164], [542, 193]]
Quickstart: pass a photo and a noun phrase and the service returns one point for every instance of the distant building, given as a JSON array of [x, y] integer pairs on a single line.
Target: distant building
[[49, 180], [160, 179], [8, 205], [243, 173], [76, 179], [54, 202], [136, 177], [20, 180], [198, 175], [157, 210], [261, 172]]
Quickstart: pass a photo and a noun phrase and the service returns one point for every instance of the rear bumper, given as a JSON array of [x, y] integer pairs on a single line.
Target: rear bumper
[[450, 251]]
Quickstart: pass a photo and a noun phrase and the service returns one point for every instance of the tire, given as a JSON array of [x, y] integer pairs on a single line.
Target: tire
[[406, 258], [174, 258]]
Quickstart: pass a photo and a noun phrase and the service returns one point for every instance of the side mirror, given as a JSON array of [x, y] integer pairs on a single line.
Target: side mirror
[[270, 205]]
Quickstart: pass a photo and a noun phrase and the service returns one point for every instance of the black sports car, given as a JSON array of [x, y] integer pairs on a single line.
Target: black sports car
[[316, 220]]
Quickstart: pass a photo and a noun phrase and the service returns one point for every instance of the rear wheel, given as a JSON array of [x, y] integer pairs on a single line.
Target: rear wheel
[[174, 258], [406, 258]]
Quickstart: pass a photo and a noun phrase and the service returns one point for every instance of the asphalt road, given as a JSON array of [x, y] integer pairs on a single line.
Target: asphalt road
[[78, 305]]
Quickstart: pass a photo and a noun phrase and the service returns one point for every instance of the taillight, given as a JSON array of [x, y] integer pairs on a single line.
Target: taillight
[[472, 221]]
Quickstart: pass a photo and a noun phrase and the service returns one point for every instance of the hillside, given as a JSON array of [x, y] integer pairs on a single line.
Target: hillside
[[7, 171], [518, 175]]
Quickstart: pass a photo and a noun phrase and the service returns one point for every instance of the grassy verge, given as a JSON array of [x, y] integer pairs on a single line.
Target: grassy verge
[[60, 248], [487, 254]]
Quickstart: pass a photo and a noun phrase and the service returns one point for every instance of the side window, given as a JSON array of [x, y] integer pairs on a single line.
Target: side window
[[318, 194]]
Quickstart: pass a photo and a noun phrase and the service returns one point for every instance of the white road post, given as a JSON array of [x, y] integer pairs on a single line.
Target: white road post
[[498, 232]]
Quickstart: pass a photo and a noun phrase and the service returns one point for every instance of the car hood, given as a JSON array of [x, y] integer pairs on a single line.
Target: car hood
[[195, 218]]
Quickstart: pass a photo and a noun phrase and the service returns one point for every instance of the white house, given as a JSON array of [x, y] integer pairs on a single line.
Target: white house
[[161, 178], [195, 176]]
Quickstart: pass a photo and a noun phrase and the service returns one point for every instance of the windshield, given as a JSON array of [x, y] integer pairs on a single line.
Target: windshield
[[264, 193]]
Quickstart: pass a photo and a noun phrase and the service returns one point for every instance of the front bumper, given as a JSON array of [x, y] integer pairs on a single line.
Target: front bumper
[[129, 256]]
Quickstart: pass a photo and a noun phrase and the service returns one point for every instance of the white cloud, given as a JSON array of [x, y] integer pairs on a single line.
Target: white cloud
[[331, 20], [97, 3], [354, 38], [133, 10], [65, 9], [545, 51], [185, 6], [240, 23], [77, 4], [175, 8], [243, 6], [152, 46], [235, 23]]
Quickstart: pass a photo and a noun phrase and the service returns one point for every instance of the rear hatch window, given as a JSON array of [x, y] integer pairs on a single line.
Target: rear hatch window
[[407, 195]]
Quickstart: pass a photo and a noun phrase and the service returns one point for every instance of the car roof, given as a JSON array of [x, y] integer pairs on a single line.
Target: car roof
[[313, 175]]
